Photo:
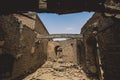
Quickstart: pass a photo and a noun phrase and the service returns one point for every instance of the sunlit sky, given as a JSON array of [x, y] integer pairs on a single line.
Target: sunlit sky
[[67, 23]]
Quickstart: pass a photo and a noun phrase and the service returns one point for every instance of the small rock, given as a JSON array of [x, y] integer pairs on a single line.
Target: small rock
[[59, 68], [60, 60], [48, 64]]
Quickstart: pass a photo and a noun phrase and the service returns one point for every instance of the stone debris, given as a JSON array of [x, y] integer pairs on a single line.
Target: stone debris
[[58, 71]]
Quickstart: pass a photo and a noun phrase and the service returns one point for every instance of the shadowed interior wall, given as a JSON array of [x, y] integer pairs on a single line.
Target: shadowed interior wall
[[21, 43], [108, 39]]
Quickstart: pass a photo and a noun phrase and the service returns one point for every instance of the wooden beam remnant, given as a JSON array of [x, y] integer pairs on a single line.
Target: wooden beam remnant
[[51, 36]]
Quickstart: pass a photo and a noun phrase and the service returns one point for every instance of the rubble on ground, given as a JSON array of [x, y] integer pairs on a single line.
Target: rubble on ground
[[58, 70]]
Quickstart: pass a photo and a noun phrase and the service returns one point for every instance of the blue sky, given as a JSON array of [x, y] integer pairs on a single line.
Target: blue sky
[[67, 23]]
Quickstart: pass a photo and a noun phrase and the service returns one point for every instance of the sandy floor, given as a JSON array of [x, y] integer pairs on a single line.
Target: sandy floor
[[58, 71]]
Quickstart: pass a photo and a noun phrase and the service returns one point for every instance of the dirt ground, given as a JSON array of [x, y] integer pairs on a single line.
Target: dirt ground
[[58, 70]]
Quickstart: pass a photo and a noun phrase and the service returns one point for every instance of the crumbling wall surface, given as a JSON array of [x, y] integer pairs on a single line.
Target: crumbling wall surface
[[51, 54], [89, 40], [10, 36], [9, 44], [81, 53], [32, 21], [104, 31], [20, 42], [41, 29], [112, 8], [27, 19], [26, 58], [69, 51]]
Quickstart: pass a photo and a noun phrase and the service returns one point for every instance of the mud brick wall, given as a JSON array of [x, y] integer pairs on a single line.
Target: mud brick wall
[[51, 55], [44, 42], [21, 44], [81, 53], [89, 42], [70, 50], [108, 39], [9, 35], [33, 22]]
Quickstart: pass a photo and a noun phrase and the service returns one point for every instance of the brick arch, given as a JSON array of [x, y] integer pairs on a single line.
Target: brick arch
[[55, 49], [58, 51]]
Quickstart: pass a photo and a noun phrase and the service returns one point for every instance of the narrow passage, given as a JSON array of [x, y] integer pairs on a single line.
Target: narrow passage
[[58, 70]]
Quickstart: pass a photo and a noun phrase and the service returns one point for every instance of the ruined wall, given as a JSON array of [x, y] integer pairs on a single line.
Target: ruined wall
[[21, 43], [89, 40], [33, 22], [43, 42], [104, 31], [81, 53], [51, 55], [10, 37], [70, 52]]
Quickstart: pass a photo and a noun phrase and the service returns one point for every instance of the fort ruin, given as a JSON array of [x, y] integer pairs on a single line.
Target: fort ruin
[[21, 52]]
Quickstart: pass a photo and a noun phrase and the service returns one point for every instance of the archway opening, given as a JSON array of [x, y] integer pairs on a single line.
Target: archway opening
[[92, 60], [58, 51]]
